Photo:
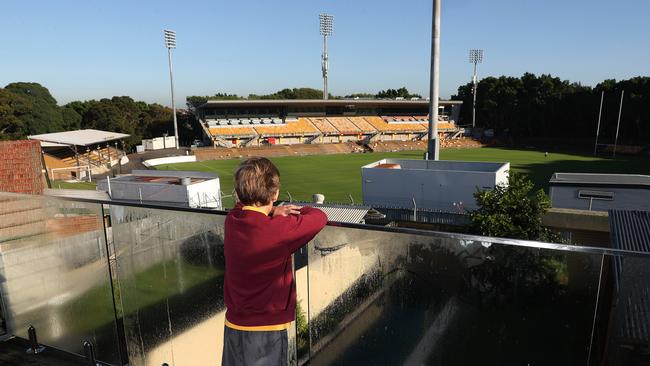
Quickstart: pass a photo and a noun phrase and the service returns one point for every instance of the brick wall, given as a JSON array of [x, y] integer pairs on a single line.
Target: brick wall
[[21, 170]]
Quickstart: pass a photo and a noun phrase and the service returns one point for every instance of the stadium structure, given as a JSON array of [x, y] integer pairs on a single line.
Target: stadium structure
[[77, 155], [239, 123]]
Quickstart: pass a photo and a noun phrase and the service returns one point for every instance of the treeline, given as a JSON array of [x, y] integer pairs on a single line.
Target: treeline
[[388, 93], [295, 93], [300, 93], [29, 109], [544, 106]]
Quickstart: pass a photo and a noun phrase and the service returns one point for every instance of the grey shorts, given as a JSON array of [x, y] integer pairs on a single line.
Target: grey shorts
[[244, 348]]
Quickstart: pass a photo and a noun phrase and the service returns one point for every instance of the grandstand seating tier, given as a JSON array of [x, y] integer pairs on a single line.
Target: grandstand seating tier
[[300, 127], [362, 124], [344, 125], [232, 131], [323, 125], [381, 125]]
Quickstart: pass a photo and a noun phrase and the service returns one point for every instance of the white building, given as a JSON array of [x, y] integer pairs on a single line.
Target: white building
[[427, 184], [176, 188], [600, 192]]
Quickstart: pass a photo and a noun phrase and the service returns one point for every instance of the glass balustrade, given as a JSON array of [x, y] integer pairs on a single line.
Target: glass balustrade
[[366, 295]]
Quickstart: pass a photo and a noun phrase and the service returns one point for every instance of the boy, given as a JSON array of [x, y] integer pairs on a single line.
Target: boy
[[259, 291]]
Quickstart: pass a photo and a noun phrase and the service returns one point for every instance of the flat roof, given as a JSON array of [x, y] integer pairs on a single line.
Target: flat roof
[[599, 179], [437, 165], [175, 173], [323, 102], [172, 177], [79, 137]]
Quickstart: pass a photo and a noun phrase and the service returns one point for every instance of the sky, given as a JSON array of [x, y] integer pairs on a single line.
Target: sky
[[87, 49]]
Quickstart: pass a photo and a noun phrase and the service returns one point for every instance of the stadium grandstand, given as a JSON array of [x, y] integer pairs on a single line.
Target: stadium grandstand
[[239, 123], [77, 155]]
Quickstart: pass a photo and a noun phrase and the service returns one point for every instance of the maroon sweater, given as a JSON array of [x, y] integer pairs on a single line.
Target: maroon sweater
[[258, 284]]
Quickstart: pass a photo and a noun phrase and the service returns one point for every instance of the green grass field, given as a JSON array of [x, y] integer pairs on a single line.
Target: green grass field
[[337, 176]]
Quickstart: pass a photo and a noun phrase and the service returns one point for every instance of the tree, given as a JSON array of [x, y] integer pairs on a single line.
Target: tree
[[196, 101], [12, 108], [399, 93], [512, 211], [360, 96], [71, 119], [44, 114]]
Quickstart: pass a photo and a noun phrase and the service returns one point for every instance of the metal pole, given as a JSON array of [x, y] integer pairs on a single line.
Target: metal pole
[[433, 146], [474, 100], [171, 80], [325, 67], [600, 111], [620, 109]]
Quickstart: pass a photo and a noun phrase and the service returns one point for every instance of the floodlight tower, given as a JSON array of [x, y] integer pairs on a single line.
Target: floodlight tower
[[475, 57], [433, 145], [326, 24], [170, 42]]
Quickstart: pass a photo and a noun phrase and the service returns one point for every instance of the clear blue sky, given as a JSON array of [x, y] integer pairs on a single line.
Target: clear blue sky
[[88, 49]]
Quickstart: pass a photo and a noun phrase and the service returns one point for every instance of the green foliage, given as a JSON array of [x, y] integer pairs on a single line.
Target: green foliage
[[546, 106], [43, 114], [512, 211], [195, 101], [12, 109], [360, 96], [399, 93], [124, 115], [71, 119], [295, 93]]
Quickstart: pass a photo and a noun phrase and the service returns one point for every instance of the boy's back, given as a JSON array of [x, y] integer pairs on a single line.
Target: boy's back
[[259, 291]]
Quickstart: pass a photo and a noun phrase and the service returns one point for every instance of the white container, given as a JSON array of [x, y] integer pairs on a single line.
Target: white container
[[433, 185]]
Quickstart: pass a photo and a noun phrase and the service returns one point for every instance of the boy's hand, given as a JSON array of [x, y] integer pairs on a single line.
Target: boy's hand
[[286, 210]]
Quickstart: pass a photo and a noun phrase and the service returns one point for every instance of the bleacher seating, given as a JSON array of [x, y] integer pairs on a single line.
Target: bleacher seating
[[313, 126], [232, 131], [362, 124], [344, 125], [300, 127], [381, 124], [323, 125]]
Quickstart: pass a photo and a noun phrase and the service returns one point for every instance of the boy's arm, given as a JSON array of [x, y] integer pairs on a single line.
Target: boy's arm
[[300, 229]]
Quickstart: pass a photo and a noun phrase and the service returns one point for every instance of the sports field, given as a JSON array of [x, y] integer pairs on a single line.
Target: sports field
[[338, 176]]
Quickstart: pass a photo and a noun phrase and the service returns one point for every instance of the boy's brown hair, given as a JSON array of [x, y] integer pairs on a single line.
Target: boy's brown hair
[[257, 181]]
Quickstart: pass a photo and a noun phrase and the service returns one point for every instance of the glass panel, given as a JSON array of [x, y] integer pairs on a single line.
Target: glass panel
[[386, 298], [54, 273], [170, 269]]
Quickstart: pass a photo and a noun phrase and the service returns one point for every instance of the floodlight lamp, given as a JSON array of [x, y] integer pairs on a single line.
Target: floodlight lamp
[[475, 56], [326, 24], [170, 38]]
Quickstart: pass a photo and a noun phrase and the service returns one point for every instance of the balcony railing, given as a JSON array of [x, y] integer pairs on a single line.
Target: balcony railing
[[144, 285]]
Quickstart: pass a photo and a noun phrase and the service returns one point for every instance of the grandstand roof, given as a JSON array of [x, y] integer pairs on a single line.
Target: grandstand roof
[[323, 103], [78, 138]]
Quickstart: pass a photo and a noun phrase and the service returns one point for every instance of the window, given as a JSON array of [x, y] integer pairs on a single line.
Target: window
[[596, 195]]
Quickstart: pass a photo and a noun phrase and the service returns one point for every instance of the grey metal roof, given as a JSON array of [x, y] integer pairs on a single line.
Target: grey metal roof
[[79, 137], [630, 230], [424, 216], [600, 179], [322, 102], [340, 213]]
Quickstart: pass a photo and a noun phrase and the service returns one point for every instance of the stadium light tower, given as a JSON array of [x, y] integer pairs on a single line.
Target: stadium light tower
[[170, 43], [326, 24], [475, 57], [434, 84]]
